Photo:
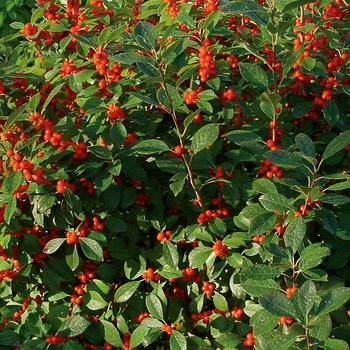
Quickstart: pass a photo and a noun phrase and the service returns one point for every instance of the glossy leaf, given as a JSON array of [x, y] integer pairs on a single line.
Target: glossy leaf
[[126, 291]]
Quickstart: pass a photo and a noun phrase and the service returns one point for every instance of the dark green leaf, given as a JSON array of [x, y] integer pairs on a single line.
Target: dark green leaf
[[241, 136], [312, 256], [275, 201], [275, 340], [254, 74], [333, 300], [294, 234], [336, 145], [10, 209], [262, 223], [305, 145], [277, 304], [331, 112], [14, 116], [146, 35], [257, 288]]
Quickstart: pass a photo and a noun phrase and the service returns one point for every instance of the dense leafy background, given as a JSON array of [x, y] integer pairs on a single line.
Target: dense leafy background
[[174, 175]]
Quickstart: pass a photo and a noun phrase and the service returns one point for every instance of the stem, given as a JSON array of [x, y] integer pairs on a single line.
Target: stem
[[182, 144]]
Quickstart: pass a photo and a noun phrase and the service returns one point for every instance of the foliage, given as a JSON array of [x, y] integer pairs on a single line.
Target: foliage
[[175, 175]]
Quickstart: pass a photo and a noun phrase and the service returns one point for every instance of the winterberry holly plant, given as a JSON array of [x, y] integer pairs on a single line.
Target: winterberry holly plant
[[175, 175]]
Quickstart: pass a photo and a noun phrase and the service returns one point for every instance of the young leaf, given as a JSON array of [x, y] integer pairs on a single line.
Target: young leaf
[[204, 137], [126, 291], [91, 248]]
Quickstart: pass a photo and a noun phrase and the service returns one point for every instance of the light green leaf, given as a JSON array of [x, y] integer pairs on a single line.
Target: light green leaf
[[177, 341], [111, 334], [264, 186], [94, 301], [220, 302], [262, 322], [170, 254], [150, 146], [126, 291], [275, 340], [74, 326], [275, 201], [155, 306], [198, 256], [53, 245], [204, 137], [137, 336], [91, 248]]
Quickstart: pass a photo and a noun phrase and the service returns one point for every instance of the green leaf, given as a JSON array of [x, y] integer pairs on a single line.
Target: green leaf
[[94, 301], [275, 201], [72, 257], [305, 145], [14, 116], [91, 248], [179, 181], [303, 299], [308, 63], [111, 334], [278, 304], [312, 256], [292, 59], [335, 344], [72, 345], [257, 288], [220, 302], [131, 58], [100, 152], [294, 234], [333, 300], [34, 344], [254, 74], [262, 223], [74, 326], [150, 146], [285, 159], [198, 256], [320, 328], [261, 272], [126, 291], [275, 340], [8, 337], [155, 306], [51, 95], [331, 112], [11, 182], [263, 322], [53, 245], [336, 145], [177, 341], [146, 35], [137, 336], [170, 254], [10, 209], [295, 4], [169, 96], [87, 40], [264, 186], [338, 187], [204, 137], [239, 137], [250, 8]]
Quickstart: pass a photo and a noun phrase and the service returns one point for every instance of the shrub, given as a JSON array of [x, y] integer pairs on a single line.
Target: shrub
[[175, 175]]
